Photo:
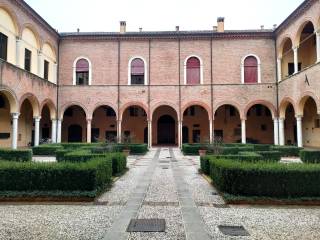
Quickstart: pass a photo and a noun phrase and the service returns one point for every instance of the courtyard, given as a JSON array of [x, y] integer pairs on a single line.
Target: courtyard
[[163, 184]]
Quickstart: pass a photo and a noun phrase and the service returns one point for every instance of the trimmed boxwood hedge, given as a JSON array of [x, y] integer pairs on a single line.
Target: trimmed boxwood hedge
[[87, 176], [274, 156], [24, 155], [308, 156], [287, 151], [46, 149], [243, 156], [265, 179]]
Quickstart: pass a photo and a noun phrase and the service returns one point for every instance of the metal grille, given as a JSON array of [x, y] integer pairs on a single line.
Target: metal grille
[[233, 230], [147, 225]]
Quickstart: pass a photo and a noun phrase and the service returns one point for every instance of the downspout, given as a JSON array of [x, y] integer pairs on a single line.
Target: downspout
[[149, 94], [211, 76], [58, 83], [180, 115], [118, 100], [277, 82]]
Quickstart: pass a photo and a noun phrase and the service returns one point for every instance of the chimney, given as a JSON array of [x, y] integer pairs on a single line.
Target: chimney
[[220, 22], [78, 30], [177, 28], [123, 25], [140, 29], [262, 27]]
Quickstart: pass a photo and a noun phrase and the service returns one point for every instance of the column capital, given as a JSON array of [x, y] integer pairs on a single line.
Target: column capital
[[275, 119], [15, 115], [37, 118], [317, 32], [299, 117], [18, 39], [89, 119], [295, 48]]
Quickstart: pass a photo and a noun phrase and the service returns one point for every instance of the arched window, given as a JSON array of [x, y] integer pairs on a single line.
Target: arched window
[[82, 72], [251, 70], [137, 72], [193, 71]]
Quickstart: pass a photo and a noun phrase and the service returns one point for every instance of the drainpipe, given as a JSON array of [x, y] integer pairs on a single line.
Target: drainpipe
[[58, 83], [277, 82]]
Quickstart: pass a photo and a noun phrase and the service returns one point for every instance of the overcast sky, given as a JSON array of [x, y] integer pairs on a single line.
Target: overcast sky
[[151, 15]]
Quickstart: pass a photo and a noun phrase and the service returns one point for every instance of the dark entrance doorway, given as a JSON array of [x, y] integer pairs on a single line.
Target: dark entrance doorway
[[145, 135], [75, 133], [166, 130], [185, 134]]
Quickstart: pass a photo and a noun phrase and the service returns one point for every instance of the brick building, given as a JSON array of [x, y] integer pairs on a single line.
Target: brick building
[[171, 87]]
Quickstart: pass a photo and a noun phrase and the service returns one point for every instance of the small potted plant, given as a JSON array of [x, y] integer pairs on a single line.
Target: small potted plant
[[127, 139], [203, 150]]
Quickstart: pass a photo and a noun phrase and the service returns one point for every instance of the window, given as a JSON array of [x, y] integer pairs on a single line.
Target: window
[[110, 112], [82, 72], [232, 111], [137, 72], [27, 60], [250, 70], [134, 111], [46, 70], [259, 110], [68, 112], [291, 68], [192, 72], [2, 102], [3, 46]]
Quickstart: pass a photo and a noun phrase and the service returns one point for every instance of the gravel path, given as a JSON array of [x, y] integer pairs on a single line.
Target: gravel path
[[162, 184]]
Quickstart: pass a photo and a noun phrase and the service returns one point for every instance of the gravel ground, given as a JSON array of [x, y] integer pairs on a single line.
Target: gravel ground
[[55, 221]]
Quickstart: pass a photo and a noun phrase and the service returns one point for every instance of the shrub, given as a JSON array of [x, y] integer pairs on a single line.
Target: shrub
[[60, 154], [265, 179], [88, 176], [274, 156], [24, 155], [192, 149], [308, 156], [47, 149], [287, 151], [76, 146], [261, 147], [119, 163], [230, 150]]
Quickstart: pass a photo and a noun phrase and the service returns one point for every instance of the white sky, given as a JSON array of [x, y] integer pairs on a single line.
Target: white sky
[[151, 15]]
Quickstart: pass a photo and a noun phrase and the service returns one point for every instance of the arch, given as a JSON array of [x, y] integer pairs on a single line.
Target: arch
[[13, 18], [185, 68], [101, 104], [129, 104], [231, 103], [12, 98], [283, 106], [49, 51], [53, 110], [300, 29], [243, 67], [161, 104], [29, 27], [166, 130], [75, 69], [70, 104], [302, 100], [265, 103], [284, 40], [197, 103], [34, 103], [145, 69]]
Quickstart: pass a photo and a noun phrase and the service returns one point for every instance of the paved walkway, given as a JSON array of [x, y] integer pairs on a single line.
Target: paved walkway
[[162, 184]]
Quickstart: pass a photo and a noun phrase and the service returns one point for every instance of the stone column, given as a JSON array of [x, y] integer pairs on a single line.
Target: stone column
[[40, 65], [53, 130], [318, 45], [211, 131], [279, 66], [88, 130], [149, 133], [299, 131], [36, 131], [296, 59], [15, 119], [180, 134], [281, 133], [276, 131], [18, 53], [243, 131], [59, 123], [119, 134]]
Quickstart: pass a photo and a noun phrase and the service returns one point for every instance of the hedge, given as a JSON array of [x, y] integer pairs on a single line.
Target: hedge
[[87, 176], [308, 156], [76, 146], [119, 161], [260, 147], [243, 156], [46, 149], [265, 179], [24, 155], [274, 156], [287, 151]]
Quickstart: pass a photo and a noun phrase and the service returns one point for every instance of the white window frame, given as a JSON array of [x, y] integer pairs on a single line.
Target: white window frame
[[75, 69], [185, 69], [242, 67], [145, 71]]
